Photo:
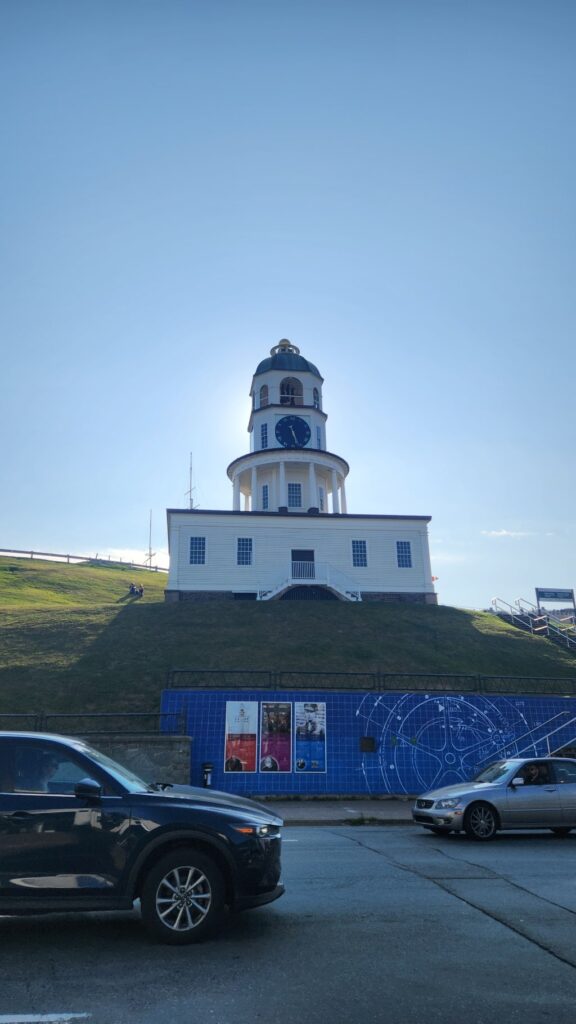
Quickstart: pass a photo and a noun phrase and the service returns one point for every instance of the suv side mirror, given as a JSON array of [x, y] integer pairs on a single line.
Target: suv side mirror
[[88, 789], [517, 781]]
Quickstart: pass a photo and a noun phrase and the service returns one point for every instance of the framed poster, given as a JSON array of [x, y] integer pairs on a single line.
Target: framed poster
[[275, 736], [310, 736], [241, 736]]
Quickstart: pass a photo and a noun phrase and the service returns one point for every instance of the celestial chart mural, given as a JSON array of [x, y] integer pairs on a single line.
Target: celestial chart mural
[[431, 740]]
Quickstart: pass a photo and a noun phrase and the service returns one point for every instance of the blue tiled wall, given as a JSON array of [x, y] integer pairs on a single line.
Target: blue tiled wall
[[422, 740]]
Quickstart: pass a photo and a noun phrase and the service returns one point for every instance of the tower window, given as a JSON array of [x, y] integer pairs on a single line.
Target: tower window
[[294, 495], [321, 498], [316, 398], [263, 396], [263, 435], [319, 437], [404, 554], [265, 499], [359, 553], [244, 551], [197, 550], [291, 391]]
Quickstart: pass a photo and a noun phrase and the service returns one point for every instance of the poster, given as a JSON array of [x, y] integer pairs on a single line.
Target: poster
[[310, 737], [276, 737], [241, 736]]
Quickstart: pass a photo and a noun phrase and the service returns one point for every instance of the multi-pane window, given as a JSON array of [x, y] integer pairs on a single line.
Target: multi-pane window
[[197, 550], [244, 551], [321, 498], [265, 497], [294, 495], [404, 554], [359, 553], [263, 435], [263, 396], [318, 437]]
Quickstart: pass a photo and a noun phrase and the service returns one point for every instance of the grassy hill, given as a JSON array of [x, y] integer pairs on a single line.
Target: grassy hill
[[73, 639]]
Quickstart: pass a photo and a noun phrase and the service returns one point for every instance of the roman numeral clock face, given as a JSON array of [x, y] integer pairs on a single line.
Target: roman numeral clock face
[[292, 432]]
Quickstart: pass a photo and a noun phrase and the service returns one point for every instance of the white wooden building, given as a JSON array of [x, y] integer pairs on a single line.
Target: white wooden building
[[289, 534]]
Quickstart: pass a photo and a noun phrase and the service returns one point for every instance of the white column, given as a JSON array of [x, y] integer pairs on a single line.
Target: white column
[[335, 501], [312, 486], [236, 493], [282, 499], [254, 488], [343, 495]]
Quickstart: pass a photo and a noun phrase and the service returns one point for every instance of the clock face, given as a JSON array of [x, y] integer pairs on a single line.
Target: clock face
[[292, 432]]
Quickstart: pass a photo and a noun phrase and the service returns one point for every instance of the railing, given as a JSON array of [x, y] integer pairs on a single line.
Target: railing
[[319, 573], [294, 679], [528, 617], [97, 724], [109, 561]]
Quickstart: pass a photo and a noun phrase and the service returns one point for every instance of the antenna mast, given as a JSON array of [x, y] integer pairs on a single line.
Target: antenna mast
[[191, 488], [151, 553]]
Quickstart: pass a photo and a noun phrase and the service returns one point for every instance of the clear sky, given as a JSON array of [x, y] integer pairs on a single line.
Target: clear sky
[[388, 183]]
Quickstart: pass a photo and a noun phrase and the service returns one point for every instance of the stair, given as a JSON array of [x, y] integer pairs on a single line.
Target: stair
[[525, 615]]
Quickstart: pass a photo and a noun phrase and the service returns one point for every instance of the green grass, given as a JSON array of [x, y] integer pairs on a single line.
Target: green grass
[[72, 639]]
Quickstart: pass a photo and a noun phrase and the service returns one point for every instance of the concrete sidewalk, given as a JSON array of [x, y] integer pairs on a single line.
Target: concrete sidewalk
[[392, 811]]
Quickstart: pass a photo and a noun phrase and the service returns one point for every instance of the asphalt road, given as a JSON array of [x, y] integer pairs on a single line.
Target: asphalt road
[[378, 925]]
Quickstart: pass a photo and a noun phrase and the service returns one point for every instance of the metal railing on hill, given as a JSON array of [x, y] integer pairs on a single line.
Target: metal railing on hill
[[96, 724], [75, 559], [294, 679]]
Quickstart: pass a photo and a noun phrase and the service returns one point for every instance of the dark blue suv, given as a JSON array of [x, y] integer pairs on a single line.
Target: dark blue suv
[[80, 832]]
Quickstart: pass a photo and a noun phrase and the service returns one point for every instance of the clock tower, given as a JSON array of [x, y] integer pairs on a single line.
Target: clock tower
[[288, 468]]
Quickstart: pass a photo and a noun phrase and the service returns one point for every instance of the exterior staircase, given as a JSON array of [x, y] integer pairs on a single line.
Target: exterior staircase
[[525, 615], [313, 574]]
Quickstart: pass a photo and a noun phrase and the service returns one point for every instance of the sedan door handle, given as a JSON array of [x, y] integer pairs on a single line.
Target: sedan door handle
[[551, 789]]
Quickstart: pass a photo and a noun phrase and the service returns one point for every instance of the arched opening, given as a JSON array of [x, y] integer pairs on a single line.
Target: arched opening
[[291, 391], [263, 396], [316, 398]]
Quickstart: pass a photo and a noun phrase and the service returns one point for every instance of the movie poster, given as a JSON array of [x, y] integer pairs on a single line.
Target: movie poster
[[310, 737], [241, 736], [276, 737]]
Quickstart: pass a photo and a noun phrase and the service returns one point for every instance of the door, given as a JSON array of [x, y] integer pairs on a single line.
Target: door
[[536, 803], [565, 772], [302, 564], [53, 843]]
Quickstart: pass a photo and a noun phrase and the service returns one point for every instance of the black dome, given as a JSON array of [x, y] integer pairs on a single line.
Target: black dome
[[286, 356]]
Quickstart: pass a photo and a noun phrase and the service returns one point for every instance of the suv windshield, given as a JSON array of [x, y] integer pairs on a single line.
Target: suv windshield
[[493, 772], [123, 775]]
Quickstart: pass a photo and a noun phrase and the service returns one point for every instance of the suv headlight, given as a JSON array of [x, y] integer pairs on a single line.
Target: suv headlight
[[452, 803], [257, 830]]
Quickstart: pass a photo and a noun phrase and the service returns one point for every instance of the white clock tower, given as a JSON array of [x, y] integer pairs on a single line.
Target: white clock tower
[[289, 535], [288, 468]]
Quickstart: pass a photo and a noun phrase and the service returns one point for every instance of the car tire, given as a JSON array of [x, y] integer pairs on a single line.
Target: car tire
[[481, 822], [183, 897], [563, 830]]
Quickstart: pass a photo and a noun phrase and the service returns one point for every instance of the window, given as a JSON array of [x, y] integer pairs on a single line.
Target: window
[[265, 497], [294, 495], [244, 551], [404, 554], [263, 396], [263, 435], [316, 398], [359, 553], [321, 498], [318, 437], [197, 550], [45, 769], [290, 391]]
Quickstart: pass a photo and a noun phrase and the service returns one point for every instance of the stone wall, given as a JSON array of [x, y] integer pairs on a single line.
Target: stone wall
[[154, 758]]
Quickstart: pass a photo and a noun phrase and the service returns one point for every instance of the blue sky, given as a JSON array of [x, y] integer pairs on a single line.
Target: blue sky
[[388, 184]]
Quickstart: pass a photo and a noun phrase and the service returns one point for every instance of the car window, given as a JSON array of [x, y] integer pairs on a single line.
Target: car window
[[493, 772], [45, 768], [565, 771]]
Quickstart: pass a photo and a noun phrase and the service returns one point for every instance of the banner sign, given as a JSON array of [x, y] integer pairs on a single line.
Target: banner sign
[[310, 741], [554, 595], [276, 736], [241, 736]]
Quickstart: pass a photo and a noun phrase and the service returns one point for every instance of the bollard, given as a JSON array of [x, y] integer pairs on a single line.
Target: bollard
[[207, 770]]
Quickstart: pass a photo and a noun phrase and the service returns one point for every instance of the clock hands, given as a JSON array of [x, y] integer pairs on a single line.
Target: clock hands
[[291, 429]]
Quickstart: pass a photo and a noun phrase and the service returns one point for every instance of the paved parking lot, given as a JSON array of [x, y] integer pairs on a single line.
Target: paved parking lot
[[378, 925]]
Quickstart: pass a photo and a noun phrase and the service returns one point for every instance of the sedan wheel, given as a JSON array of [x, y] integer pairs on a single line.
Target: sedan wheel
[[480, 822], [562, 831], [183, 897]]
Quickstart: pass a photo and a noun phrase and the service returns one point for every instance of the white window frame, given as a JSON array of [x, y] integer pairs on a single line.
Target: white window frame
[[242, 564], [403, 549], [196, 562], [292, 504], [265, 497], [362, 546], [263, 435]]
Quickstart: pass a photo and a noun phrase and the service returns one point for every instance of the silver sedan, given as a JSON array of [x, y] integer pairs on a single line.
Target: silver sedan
[[516, 793]]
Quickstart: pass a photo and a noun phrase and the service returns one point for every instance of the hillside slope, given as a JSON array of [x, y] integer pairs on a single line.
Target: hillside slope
[[73, 639]]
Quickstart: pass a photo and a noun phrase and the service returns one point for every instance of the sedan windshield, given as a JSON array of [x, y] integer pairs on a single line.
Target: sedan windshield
[[494, 771]]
